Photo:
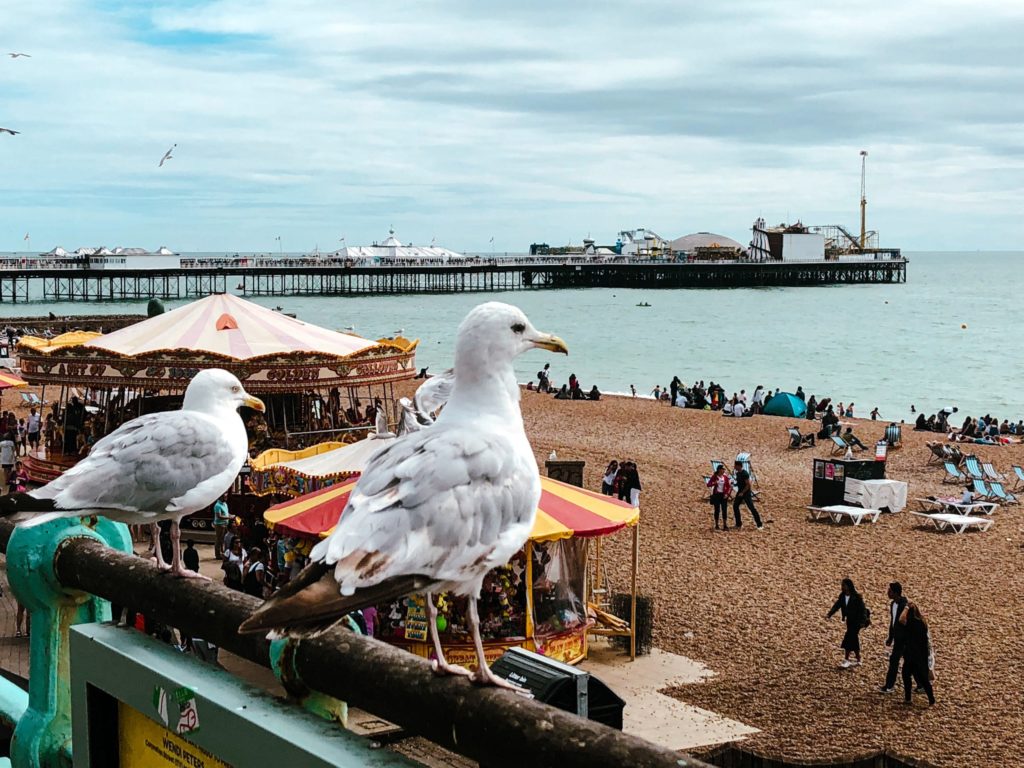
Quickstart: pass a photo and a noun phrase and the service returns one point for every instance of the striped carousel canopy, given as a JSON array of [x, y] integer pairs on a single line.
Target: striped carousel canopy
[[231, 327], [564, 511]]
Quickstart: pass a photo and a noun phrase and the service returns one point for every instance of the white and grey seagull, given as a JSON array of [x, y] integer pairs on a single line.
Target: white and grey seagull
[[8, 130], [16, 55], [437, 508], [160, 466], [167, 156]]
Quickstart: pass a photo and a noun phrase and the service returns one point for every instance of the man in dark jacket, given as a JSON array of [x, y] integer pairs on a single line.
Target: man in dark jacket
[[897, 638], [744, 495]]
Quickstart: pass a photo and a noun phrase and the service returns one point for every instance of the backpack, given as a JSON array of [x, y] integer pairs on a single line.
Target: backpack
[[867, 617]]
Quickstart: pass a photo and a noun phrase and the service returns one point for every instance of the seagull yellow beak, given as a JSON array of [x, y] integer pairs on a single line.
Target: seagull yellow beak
[[550, 343], [255, 403]]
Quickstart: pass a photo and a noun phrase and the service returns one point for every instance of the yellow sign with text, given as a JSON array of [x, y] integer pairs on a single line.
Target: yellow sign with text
[[146, 744]]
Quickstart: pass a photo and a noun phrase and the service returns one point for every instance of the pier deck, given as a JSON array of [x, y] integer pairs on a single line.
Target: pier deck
[[18, 285]]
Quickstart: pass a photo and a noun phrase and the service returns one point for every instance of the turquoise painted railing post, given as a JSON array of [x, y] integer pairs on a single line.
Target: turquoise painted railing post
[[42, 738]]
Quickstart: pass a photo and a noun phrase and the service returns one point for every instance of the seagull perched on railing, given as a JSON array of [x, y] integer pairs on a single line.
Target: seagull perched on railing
[[167, 156], [8, 130], [438, 508], [161, 466]]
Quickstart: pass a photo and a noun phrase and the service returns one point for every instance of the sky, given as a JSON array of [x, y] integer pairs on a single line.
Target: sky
[[491, 126]]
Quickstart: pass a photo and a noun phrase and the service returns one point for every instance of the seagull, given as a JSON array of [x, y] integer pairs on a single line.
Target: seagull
[[167, 156], [432, 394], [16, 55], [438, 508], [161, 466], [8, 130]]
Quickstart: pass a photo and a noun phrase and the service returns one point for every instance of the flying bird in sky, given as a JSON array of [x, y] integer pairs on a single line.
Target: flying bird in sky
[[167, 156], [438, 508], [160, 466], [16, 55], [8, 130]]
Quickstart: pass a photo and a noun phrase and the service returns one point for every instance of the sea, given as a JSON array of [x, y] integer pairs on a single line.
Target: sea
[[952, 335]]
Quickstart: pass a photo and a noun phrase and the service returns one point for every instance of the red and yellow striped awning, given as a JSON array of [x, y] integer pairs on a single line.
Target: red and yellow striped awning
[[564, 511], [10, 379]]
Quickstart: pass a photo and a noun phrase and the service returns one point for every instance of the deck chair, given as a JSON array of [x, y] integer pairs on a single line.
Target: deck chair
[[744, 459], [894, 435], [33, 398], [838, 444], [973, 467], [953, 474], [990, 472], [25, 399], [981, 489], [796, 440], [1019, 472], [1001, 495], [940, 454]]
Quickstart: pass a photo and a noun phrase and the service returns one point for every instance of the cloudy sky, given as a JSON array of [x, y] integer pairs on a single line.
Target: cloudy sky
[[522, 121]]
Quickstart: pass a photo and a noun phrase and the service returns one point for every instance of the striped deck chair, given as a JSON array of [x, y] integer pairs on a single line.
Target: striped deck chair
[[991, 473], [981, 489], [1001, 494], [838, 444], [973, 467], [894, 435], [1019, 472], [953, 474]]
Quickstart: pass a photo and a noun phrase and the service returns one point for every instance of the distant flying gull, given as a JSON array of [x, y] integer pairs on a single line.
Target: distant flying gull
[[16, 55], [161, 466], [167, 156], [438, 508], [8, 130]]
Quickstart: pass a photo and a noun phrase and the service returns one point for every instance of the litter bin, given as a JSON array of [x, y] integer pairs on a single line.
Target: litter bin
[[561, 686]]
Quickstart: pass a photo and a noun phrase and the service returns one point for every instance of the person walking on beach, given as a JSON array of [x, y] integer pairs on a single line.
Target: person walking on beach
[[721, 488], [897, 638], [33, 427], [852, 609], [674, 388], [915, 661], [608, 481], [744, 495]]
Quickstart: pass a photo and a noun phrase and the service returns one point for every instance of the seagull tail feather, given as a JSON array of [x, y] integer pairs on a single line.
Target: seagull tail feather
[[312, 600]]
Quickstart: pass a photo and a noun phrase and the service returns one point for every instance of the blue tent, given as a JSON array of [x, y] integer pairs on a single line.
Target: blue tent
[[786, 404]]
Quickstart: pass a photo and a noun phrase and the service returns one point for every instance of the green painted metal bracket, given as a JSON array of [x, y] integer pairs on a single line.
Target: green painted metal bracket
[[42, 738], [282, 662]]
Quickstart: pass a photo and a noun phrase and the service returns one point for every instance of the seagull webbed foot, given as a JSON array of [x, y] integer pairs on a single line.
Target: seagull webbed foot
[[184, 573], [444, 668]]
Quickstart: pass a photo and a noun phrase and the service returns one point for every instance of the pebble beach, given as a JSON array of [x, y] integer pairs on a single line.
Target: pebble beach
[[751, 604]]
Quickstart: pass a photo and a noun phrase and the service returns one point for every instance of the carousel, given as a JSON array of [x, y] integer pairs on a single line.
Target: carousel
[[318, 384], [543, 600]]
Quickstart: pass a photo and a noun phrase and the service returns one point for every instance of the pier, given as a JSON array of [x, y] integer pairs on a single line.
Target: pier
[[333, 278]]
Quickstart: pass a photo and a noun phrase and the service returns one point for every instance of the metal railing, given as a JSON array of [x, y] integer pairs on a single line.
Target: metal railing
[[54, 568]]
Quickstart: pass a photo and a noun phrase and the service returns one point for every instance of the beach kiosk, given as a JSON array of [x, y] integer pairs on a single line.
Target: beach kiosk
[[538, 601]]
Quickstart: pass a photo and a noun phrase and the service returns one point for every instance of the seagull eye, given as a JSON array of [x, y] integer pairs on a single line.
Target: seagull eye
[[236, 389], [518, 327]]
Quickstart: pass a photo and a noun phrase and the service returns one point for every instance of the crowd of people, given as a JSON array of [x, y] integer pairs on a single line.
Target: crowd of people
[[984, 430], [569, 391], [908, 637]]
